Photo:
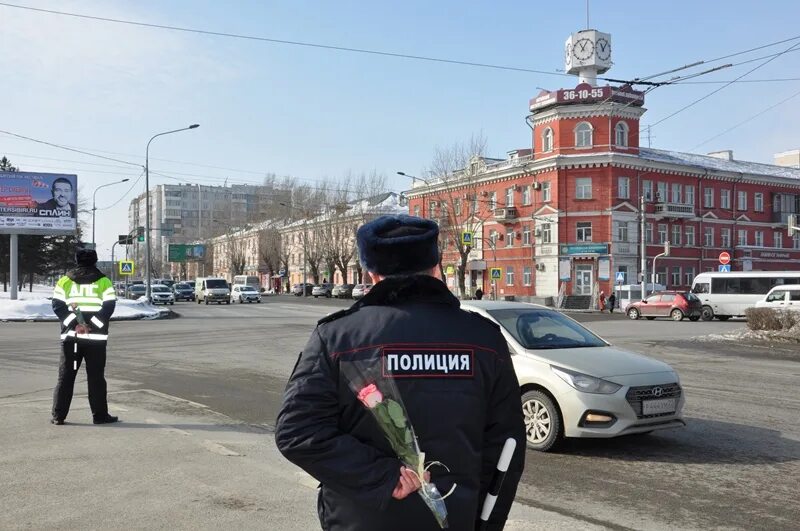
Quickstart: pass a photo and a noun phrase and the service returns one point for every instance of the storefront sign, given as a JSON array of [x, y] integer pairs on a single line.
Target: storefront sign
[[603, 269], [584, 248], [585, 93], [773, 254]]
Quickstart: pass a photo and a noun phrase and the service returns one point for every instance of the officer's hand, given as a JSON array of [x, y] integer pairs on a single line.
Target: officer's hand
[[81, 329], [408, 483]]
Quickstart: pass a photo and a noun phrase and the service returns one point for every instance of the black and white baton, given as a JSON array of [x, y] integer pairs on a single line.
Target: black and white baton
[[497, 480]]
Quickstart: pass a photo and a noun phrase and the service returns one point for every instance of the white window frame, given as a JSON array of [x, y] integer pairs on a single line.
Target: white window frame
[[510, 235], [677, 234], [547, 140], [416, 210], [759, 238], [708, 197], [622, 231], [509, 275], [676, 274], [582, 230], [663, 233], [545, 191], [527, 275], [777, 239], [690, 241], [688, 195], [621, 134], [623, 187], [647, 190], [547, 233], [758, 202], [492, 200], [677, 193], [662, 192], [741, 200], [688, 276], [725, 237], [741, 237], [725, 199], [509, 197], [796, 241], [582, 184], [584, 133], [526, 235], [648, 233], [526, 195]]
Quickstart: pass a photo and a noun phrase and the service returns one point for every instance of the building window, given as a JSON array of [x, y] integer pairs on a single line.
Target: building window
[[796, 241], [621, 134], [725, 199], [583, 188], [583, 135], [526, 275], [547, 140], [509, 276], [677, 196], [662, 233], [741, 200], [509, 238], [758, 202], [432, 209], [742, 239], [777, 239], [676, 235], [457, 206], [725, 237], [416, 210], [676, 276], [688, 192], [547, 235], [708, 197], [492, 200], [526, 235], [623, 187], [647, 190], [584, 231], [510, 197], [546, 191], [526, 195], [622, 231], [688, 276], [759, 238], [493, 238], [661, 193], [690, 235], [648, 233]]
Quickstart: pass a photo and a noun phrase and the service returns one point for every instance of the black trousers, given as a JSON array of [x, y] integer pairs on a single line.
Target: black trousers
[[94, 352]]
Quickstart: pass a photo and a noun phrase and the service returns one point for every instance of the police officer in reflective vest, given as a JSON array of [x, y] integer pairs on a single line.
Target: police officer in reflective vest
[[83, 300], [462, 417]]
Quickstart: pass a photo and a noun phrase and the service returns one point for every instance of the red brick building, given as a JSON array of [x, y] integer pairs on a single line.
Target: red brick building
[[567, 213]]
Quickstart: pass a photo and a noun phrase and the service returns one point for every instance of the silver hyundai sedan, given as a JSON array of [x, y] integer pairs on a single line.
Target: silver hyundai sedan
[[575, 384]]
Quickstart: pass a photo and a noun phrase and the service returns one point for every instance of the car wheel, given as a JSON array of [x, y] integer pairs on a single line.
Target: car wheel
[[172, 304], [227, 302], [259, 301], [328, 296], [633, 313], [649, 318], [707, 314], [694, 318], [676, 315], [723, 317], [542, 421]]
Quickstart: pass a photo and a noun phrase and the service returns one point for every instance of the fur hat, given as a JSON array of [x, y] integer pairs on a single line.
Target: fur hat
[[399, 244], [85, 257]]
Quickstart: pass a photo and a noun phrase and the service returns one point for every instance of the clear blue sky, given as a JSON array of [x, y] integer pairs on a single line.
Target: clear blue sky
[[316, 113]]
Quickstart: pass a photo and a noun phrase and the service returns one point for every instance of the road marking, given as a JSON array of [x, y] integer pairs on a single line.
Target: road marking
[[219, 449], [167, 427]]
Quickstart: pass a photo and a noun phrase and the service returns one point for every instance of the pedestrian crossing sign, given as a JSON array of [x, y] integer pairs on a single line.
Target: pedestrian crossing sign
[[620, 277], [496, 273], [724, 268], [466, 238], [126, 267]]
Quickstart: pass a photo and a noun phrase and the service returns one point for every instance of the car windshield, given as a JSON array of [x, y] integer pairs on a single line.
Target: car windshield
[[182, 286], [544, 329], [217, 283], [137, 287], [247, 288], [691, 297], [160, 289]]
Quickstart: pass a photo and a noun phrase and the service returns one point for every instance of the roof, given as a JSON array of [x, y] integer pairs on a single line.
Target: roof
[[714, 163], [384, 203]]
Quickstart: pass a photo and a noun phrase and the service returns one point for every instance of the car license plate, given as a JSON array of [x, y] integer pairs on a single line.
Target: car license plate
[[655, 407]]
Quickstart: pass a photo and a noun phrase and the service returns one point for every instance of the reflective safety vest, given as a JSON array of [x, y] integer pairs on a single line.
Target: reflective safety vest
[[95, 301]]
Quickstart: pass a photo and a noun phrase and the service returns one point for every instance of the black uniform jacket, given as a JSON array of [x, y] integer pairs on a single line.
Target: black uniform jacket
[[462, 415]]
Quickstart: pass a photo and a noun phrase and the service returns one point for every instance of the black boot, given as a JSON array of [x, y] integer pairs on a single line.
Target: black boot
[[57, 422], [105, 419]]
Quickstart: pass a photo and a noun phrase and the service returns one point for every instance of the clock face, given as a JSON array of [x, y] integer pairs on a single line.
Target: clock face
[[603, 49], [583, 49]]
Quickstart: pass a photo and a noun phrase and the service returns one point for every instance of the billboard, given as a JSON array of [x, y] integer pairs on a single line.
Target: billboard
[[38, 203], [189, 252]]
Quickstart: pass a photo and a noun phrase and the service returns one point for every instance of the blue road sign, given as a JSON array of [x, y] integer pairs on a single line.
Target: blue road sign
[[620, 277], [725, 268]]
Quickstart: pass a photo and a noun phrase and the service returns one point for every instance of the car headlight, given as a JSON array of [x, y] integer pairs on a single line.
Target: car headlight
[[586, 383]]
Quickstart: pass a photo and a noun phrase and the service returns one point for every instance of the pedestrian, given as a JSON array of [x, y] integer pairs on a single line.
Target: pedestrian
[[83, 300], [602, 301], [461, 418], [612, 301], [478, 294]]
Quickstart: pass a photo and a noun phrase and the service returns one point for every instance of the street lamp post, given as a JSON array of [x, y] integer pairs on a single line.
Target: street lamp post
[[147, 202], [414, 179], [94, 198]]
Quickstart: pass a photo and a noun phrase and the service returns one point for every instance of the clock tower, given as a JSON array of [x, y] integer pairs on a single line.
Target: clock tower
[[588, 53]]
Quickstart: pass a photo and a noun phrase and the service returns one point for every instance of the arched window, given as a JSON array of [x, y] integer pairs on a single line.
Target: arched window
[[547, 140], [621, 134], [583, 135]]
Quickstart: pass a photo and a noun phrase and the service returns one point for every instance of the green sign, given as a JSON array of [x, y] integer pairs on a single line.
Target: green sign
[[496, 273], [179, 252], [584, 248]]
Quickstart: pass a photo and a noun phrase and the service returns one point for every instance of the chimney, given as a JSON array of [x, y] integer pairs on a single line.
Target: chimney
[[725, 154]]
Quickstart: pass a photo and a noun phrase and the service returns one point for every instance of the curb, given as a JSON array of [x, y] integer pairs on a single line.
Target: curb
[[168, 314]]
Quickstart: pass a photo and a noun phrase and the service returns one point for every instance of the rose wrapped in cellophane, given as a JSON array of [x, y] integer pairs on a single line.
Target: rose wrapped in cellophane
[[381, 397]]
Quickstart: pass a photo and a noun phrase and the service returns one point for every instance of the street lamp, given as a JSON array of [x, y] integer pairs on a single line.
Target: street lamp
[[94, 197], [414, 180], [305, 244], [147, 202]]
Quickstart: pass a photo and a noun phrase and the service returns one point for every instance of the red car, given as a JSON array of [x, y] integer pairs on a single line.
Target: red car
[[673, 304]]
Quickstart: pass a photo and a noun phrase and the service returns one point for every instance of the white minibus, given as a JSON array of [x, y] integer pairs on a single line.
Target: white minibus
[[726, 295]]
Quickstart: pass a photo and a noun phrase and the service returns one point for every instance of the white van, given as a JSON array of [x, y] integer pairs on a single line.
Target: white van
[[785, 297], [212, 289]]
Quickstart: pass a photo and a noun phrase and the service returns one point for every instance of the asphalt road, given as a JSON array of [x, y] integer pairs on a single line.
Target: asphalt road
[[734, 466]]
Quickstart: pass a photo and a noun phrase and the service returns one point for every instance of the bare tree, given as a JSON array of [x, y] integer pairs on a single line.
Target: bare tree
[[270, 249], [237, 253]]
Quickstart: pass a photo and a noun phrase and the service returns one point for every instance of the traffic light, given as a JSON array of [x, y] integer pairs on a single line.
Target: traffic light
[[140, 234], [666, 248]]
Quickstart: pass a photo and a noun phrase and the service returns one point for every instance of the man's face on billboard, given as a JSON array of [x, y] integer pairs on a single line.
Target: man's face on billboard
[[62, 193]]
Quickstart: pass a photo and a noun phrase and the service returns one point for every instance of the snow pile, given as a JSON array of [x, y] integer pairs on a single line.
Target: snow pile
[[789, 335], [36, 306]]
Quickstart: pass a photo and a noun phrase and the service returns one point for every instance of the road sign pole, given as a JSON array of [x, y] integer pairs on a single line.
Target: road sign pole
[[14, 249]]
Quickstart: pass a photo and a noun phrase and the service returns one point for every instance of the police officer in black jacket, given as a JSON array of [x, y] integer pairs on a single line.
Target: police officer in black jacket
[[462, 417]]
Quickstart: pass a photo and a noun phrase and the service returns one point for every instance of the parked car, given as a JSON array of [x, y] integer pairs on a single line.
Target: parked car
[[785, 297], [343, 291], [191, 283], [161, 294], [183, 291], [241, 293], [575, 384], [673, 304], [212, 289], [359, 290], [136, 291], [322, 290], [297, 289]]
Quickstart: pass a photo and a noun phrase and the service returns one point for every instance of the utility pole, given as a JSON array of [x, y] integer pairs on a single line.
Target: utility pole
[[642, 246]]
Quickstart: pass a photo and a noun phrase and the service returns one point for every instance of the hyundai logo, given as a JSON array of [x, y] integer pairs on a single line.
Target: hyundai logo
[[657, 391]]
